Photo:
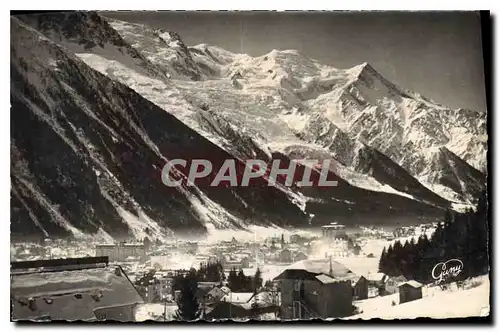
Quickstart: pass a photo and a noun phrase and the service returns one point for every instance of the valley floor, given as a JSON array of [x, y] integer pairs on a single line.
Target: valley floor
[[472, 301]]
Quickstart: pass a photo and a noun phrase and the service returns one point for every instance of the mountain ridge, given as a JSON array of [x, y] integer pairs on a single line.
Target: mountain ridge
[[233, 106]]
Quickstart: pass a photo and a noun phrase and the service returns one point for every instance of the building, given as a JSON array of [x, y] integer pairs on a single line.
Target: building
[[153, 291], [241, 306], [237, 264], [86, 289], [376, 284], [410, 291], [217, 293], [392, 283], [333, 231], [121, 251], [315, 289], [360, 288]]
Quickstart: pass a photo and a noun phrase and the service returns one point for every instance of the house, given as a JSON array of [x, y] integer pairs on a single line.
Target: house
[[237, 264], [410, 291], [360, 288], [392, 283], [333, 231], [155, 289], [217, 293], [241, 306], [376, 284], [87, 289], [204, 288], [262, 299], [315, 289]]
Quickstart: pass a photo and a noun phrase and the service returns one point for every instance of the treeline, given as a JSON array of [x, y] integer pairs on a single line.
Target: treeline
[[462, 236], [240, 283], [211, 271]]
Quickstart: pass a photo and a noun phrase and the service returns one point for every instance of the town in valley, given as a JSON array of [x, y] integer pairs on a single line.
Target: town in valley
[[282, 275]]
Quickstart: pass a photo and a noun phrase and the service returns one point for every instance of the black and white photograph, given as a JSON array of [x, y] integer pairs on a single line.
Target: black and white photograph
[[249, 166]]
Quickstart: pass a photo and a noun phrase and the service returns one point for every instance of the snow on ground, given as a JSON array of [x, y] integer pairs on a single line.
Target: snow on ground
[[155, 311], [375, 246], [361, 266], [435, 303], [253, 233], [177, 261], [138, 224]]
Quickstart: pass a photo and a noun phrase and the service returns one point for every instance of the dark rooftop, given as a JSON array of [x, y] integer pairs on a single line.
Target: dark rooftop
[[70, 294]]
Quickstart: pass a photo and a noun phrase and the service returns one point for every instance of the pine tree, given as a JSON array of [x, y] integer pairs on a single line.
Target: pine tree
[[257, 280], [390, 261], [398, 256], [188, 306], [232, 279], [382, 266], [243, 282], [478, 236]]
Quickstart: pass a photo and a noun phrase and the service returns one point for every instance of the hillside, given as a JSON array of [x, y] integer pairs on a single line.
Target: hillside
[[99, 106]]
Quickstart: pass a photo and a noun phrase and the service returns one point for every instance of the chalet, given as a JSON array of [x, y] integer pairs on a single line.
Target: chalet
[[392, 283], [315, 289], [360, 288], [376, 283], [86, 289], [410, 291], [376, 279]]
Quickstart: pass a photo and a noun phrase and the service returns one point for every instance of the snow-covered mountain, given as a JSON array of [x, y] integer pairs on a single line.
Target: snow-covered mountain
[[110, 101]]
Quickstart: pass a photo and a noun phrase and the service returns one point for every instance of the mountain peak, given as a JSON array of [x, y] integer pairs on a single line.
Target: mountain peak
[[363, 69], [367, 74]]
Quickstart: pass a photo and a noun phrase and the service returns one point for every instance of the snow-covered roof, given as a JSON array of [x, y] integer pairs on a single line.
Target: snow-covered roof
[[237, 297], [321, 266], [376, 276], [412, 283], [70, 294], [334, 226], [323, 278]]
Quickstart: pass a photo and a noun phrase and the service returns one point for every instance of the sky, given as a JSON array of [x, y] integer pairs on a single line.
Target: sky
[[437, 54]]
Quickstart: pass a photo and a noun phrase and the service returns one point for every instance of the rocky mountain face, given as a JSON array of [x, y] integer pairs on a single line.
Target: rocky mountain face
[[99, 106]]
